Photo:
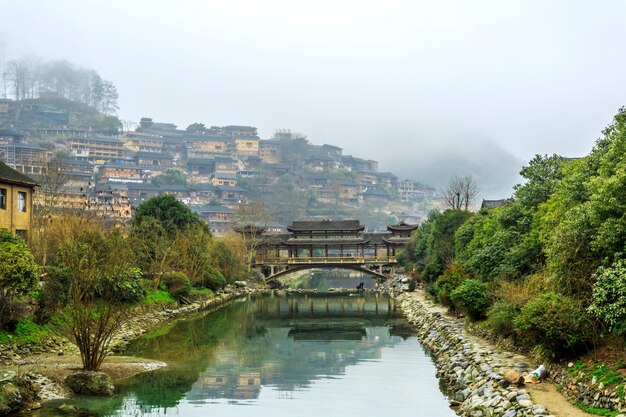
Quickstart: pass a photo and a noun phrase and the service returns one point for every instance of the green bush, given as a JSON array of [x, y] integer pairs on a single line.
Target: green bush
[[177, 284], [472, 298], [432, 270], [433, 291], [412, 284], [452, 277], [213, 279], [501, 316], [19, 272], [128, 287], [609, 297], [556, 322]]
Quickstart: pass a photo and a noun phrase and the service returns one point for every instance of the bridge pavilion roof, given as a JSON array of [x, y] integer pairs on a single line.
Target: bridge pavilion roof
[[286, 239], [402, 227], [395, 240], [326, 225], [361, 240]]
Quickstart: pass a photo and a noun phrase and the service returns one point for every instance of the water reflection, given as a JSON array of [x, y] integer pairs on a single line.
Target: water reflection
[[323, 279], [264, 350]]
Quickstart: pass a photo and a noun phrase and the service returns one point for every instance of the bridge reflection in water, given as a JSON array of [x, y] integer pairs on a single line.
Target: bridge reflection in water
[[307, 337], [327, 306]]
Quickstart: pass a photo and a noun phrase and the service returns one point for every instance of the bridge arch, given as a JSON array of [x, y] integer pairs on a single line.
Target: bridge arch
[[295, 268]]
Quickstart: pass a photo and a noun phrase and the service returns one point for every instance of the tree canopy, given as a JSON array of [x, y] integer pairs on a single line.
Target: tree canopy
[[169, 212], [30, 76]]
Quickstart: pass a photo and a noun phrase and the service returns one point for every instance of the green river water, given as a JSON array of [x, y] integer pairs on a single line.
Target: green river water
[[290, 355]]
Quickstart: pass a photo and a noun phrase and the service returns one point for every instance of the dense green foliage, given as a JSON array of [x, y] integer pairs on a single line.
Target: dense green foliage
[[177, 284], [172, 215], [556, 322], [213, 279], [550, 257], [453, 276], [172, 238], [128, 287], [472, 298], [19, 273], [502, 315], [609, 297], [435, 242]]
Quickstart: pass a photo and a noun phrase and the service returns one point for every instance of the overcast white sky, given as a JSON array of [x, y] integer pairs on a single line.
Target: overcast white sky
[[419, 85]]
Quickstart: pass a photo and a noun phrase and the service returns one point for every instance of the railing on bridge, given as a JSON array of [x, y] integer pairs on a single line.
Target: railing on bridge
[[331, 260]]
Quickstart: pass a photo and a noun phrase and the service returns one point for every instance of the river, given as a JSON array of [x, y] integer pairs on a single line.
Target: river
[[290, 355]]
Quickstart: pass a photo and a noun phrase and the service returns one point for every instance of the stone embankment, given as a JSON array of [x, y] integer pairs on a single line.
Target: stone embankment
[[13, 353], [474, 373]]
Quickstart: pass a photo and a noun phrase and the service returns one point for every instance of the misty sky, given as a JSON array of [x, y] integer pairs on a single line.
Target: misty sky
[[428, 88]]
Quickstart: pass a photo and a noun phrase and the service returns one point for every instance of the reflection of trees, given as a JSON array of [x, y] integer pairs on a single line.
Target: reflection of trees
[[188, 348], [233, 352]]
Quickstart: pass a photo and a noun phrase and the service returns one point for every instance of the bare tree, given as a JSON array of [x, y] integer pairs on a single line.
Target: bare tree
[[460, 192], [253, 220], [53, 183], [129, 125], [92, 324], [95, 261]]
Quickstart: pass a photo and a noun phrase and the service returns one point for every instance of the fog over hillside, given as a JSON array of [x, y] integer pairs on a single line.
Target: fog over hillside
[[494, 169], [428, 88]]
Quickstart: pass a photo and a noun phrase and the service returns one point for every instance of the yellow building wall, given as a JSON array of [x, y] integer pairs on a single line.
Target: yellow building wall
[[10, 217], [247, 146], [223, 181], [210, 146]]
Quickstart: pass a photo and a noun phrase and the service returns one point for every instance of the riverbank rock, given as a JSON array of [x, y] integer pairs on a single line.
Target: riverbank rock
[[513, 377], [90, 383], [240, 284], [10, 398], [18, 393], [73, 410]]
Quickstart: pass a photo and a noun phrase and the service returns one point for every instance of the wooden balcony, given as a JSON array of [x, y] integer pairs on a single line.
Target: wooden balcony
[[329, 260]]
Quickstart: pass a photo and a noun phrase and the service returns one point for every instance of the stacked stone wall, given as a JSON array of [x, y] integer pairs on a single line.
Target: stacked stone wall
[[473, 373]]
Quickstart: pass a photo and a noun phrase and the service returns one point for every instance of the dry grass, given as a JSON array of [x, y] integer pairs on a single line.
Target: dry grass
[[520, 292]]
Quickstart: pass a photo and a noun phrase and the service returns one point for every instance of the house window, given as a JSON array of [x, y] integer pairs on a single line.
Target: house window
[[21, 201], [21, 233], [3, 199]]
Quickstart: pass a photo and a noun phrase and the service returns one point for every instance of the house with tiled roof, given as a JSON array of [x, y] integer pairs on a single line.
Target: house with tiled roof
[[16, 201], [491, 204]]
